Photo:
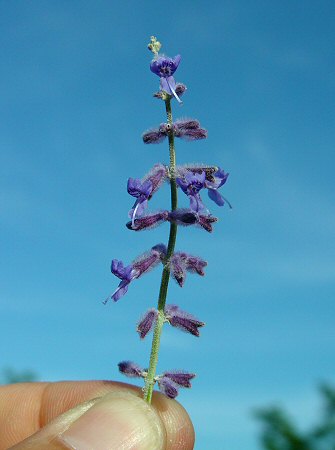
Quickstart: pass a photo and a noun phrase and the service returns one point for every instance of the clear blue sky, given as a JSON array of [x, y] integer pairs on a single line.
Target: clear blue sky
[[75, 96]]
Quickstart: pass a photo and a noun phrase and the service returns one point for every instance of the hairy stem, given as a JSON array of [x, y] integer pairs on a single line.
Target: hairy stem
[[149, 382]]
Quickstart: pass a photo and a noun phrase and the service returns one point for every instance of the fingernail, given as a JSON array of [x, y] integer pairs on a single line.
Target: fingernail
[[116, 421]]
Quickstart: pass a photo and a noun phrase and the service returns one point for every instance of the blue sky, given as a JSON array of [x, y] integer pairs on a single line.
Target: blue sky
[[76, 95]]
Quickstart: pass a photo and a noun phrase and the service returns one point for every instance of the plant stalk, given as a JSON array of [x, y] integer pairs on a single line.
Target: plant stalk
[[150, 379]]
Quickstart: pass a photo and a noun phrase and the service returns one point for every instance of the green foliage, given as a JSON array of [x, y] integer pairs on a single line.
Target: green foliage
[[9, 376], [280, 433]]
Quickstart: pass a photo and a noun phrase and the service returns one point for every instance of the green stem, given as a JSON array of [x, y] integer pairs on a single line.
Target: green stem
[[149, 382]]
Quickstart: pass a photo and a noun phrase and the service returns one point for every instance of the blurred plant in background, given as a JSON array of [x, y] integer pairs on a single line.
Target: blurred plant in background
[[281, 433], [9, 375]]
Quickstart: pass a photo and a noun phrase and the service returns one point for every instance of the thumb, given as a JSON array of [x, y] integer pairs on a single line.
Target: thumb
[[117, 420]]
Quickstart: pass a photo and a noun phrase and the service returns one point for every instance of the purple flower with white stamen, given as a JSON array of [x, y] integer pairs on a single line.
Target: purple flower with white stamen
[[165, 67], [147, 322], [219, 179], [180, 377], [148, 221], [131, 369], [142, 191], [191, 184], [182, 320]]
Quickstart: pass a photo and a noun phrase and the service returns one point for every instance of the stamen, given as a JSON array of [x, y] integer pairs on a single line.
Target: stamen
[[174, 92]]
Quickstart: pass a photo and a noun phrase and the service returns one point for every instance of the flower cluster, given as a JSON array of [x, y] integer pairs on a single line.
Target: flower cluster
[[192, 180]]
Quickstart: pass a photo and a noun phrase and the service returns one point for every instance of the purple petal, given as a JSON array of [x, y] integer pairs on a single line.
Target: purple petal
[[183, 216], [153, 137], [167, 387], [196, 203], [130, 369], [178, 269], [182, 320], [147, 222], [147, 322], [206, 222], [146, 262], [180, 378], [214, 195], [120, 291]]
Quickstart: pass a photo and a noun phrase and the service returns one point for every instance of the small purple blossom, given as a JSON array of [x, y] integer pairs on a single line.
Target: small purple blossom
[[142, 264], [154, 136], [131, 369], [144, 189], [186, 217], [178, 269], [170, 382], [194, 264], [182, 320], [148, 221], [189, 129], [180, 377], [126, 274], [205, 221], [165, 67], [147, 322], [191, 184]]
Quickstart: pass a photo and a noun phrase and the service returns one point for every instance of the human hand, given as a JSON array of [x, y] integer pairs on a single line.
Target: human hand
[[90, 415]]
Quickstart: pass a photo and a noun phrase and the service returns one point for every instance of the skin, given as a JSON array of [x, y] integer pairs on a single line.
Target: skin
[[27, 408]]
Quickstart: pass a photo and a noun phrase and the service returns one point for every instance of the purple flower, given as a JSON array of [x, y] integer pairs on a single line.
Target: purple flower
[[170, 382], [182, 320], [181, 262], [148, 221], [194, 264], [191, 184], [142, 264], [180, 377], [178, 269], [126, 274], [205, 221], [197, 168], [165, 67], [147, 322], [131, 369], [219, 179], [186, 217], [189, 129], [154, 136], [142, 191]]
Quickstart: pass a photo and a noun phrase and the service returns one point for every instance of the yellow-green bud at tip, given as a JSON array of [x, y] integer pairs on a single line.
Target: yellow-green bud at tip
[[154, 46]]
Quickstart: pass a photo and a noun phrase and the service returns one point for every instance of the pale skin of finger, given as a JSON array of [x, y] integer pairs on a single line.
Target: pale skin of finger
[[25, 408]]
